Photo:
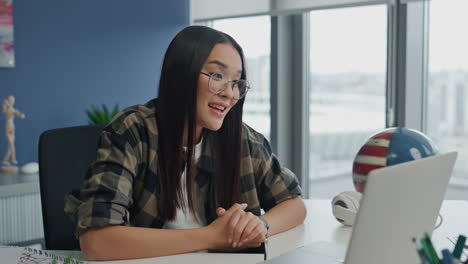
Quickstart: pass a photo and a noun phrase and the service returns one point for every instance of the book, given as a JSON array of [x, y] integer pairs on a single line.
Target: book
[[20, 255]]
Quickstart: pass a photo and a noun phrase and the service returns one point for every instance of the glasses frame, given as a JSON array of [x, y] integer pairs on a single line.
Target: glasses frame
[[247, 86]]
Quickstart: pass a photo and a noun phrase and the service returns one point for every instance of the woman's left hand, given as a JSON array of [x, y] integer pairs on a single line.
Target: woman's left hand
[[245, 229]]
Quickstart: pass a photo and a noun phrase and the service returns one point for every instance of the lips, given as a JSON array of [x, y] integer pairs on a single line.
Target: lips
[[217, 108]]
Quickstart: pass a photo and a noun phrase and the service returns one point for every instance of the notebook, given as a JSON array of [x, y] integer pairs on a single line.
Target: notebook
[[20, 255], [399, 202]]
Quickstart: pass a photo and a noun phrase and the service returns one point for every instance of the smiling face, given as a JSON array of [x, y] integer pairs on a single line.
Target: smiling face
[[211, 107]]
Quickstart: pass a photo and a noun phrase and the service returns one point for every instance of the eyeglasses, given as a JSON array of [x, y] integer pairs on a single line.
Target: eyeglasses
[[217, 84]]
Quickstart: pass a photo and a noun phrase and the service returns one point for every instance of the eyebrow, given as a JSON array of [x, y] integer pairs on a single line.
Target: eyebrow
[[217, 62]]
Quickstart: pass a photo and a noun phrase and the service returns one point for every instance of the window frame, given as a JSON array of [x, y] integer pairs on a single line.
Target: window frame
[[407, 66]]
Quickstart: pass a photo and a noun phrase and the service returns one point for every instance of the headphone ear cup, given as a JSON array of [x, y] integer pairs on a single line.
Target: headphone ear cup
[[345, 207], [355, 198], [343, 215]]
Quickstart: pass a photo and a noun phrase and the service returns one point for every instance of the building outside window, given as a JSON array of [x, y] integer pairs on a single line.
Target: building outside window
[[348, 49], [447, 95]]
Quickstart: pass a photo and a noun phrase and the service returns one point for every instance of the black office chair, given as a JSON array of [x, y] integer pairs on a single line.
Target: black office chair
[[64, 156]]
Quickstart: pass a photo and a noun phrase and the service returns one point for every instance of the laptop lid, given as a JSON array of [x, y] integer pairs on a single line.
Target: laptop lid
[[399, 202]]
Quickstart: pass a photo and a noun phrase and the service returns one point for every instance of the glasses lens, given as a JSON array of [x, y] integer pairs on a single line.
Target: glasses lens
[[216, 82], [242, 86], [217, 85], [217, 76]]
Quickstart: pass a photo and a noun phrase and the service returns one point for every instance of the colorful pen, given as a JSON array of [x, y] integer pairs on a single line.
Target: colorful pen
[[457, 251], [420, 250], [429, 249], [447, 257]]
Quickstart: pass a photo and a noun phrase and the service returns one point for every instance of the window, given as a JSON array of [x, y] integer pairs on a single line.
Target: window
[[348, 49], [253, 35], [447, 111]]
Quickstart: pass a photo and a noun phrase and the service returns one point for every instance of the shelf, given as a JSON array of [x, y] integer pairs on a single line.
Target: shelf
[[18, 184]]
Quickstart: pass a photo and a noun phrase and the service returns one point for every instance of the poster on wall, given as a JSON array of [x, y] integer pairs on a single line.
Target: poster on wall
[[7, 52]]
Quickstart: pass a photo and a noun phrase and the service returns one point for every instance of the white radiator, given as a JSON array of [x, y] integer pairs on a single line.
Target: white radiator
[[20, 218]]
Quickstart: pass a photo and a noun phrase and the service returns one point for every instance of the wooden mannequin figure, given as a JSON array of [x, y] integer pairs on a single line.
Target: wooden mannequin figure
[[10, 113]]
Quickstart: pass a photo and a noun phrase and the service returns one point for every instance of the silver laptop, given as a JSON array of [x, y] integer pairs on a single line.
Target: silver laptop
[[399, 202]]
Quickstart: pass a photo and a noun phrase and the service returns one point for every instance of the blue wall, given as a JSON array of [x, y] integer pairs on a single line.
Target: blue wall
[[74, 53]]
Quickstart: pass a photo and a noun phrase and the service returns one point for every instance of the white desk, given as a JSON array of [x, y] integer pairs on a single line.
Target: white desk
[[320, 225]]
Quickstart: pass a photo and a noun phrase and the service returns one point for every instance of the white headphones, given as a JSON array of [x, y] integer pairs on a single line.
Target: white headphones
[[345, 207]]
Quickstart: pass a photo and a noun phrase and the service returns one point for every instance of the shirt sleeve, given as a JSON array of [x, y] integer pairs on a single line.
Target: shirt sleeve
[[276, 183], [106, 196]]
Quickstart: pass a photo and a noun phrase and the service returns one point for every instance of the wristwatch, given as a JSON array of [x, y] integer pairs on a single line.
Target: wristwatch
[[267, 226]]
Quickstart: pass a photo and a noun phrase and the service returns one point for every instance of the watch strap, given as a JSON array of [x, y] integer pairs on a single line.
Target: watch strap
[[267, 226]]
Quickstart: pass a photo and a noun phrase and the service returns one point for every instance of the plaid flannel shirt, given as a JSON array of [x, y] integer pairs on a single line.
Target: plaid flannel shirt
[[121, 187]]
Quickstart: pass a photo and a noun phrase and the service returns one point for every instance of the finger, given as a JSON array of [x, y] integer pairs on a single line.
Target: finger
[[233, 208], [257, 239], [236, 207], [235, 217], [258, 233], [243, 221], [253, 221], [220, 211], [260, 238]]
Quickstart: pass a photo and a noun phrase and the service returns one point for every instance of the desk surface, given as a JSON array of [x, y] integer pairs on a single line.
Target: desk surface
[[320, 225]]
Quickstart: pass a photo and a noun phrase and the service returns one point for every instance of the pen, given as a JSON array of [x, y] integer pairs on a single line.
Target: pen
[[429, 255], [422, 256], [459, 247], [429, 249], [447, 257]]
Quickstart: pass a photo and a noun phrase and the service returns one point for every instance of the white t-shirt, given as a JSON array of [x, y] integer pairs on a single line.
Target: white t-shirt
[[185, 219]]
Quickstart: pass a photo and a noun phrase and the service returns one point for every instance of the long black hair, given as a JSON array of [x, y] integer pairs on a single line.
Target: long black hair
[[177, 106]]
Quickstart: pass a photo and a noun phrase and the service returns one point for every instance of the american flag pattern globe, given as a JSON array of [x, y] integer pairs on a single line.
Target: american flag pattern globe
[[389, 147]]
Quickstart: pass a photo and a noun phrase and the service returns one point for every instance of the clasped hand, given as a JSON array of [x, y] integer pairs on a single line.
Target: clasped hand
[[237, 229]]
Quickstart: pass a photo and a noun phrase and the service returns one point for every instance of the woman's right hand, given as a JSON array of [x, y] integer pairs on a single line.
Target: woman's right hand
[[246, 230], [219, 228], [235, 229]]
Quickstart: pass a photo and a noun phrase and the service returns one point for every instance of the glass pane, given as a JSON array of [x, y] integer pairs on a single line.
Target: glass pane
[[256, 45], [447, 111], [347, 91]]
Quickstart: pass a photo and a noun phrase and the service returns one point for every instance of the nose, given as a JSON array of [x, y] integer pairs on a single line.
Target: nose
[[228, 92]]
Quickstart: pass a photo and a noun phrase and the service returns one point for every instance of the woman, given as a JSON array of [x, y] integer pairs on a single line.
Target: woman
[[182, 173]]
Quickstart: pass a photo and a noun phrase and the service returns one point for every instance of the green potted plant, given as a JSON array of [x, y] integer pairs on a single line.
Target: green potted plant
[[101, 116]]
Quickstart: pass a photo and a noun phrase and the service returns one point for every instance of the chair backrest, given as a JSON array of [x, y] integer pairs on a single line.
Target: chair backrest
[[64, 156]]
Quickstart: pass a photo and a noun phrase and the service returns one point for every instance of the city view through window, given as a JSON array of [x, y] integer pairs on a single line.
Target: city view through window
[[447, 111], [347, 86], [347, 91]]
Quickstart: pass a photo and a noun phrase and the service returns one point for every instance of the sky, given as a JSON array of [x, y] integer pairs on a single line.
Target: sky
[[354, 39], [252, 33], [448, 34]]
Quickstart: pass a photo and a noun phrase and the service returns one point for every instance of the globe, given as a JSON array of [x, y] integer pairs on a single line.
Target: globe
[[389, 147]]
